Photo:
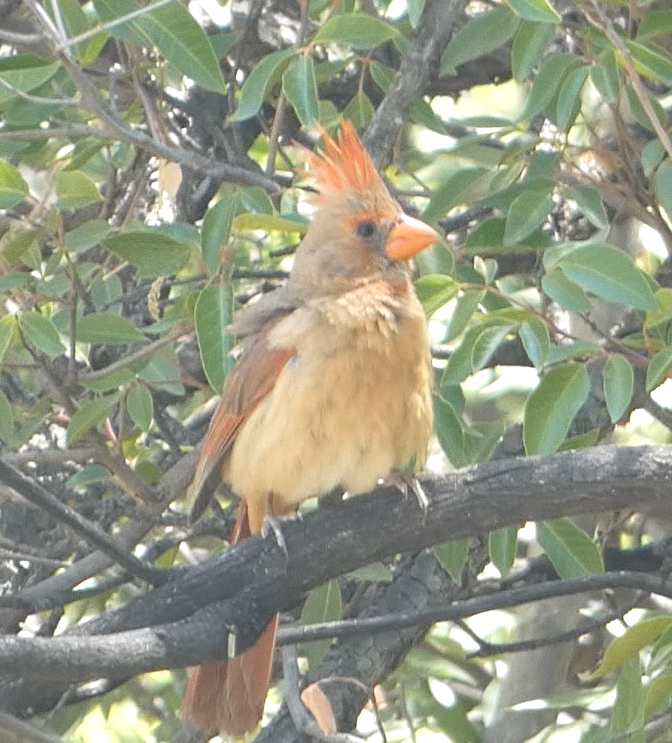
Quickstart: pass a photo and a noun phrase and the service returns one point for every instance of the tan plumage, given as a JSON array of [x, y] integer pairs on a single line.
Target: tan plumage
[[333, 387]]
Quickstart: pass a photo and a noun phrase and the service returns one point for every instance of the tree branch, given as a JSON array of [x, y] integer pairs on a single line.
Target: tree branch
[[34, 493], [418, 67], [242, 588]]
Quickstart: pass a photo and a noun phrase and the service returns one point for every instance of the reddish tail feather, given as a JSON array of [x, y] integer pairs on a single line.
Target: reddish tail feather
[[229, 696]]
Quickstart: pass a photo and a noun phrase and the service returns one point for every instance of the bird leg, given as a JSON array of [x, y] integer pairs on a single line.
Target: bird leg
[[405, 483], [272, 524]]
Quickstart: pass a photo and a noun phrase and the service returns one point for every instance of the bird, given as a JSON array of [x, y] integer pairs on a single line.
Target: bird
[[332, 388]]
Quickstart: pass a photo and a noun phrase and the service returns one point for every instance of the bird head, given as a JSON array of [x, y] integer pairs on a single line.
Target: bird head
[[359, 232]]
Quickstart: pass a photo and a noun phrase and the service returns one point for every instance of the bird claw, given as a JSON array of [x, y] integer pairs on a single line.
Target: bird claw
[[272, 524], [406, 483], [231, 644]]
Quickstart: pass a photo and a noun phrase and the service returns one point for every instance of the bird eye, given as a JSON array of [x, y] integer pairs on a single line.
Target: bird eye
[[366, 229]]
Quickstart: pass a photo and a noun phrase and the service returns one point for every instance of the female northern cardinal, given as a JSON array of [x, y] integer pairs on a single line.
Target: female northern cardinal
[[333, 387]]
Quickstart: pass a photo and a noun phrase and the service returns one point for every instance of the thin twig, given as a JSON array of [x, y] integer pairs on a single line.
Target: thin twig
[[476, 605], [134, 357], [304, 721], [18, 39], [34, 493], [40, 99], [109, 25], [602, 22]]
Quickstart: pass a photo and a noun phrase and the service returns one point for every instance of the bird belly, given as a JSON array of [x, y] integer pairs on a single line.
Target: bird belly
[[345, 418]]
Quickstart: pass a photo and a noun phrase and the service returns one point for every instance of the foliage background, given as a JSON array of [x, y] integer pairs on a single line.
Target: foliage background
[[150, 180]]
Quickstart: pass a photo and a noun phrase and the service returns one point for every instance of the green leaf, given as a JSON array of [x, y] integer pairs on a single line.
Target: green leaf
[[25, 72], [652, 156], [356, 30], [106, 291], [87, 235], [359, 110], [175, 33], [40, 333], [382, 76], [298, 84], [13, 189], [154, 255], [502, 548], [435, 291], [74, 189], [140, 406], [13, 280], [110, 381], [659, 366], [257, 84], [479, 36], [662, 186], [581, 441], [217, 228], [571, 551], [589, 201], [569, 98], [654, 23], [658, 695], [163, 372], [414, 9], [109, 328], [536, 340], [640, 115], [481, 439], [488, 341], [7, 332], [650, 61], [465, 307], [449, 431], [322, 605], [606, 76], [547, 82], [223, 43], [526, 213], [535, 10], [181, 40], [74, 20], [531, 41], [422, 113], [663, 314], [88, 475], [609, 274], [619, 380], [487, 268], [268, 222], [213, 313], [551, 408], [629, 644], [452, 557], [573, 350], [457, 189], [627, 720], [376, 572], [6, 421], [89, 416], [459, 365], [566, 293]]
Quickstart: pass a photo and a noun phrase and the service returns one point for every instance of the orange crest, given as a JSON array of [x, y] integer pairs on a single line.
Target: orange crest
[[344, 165]]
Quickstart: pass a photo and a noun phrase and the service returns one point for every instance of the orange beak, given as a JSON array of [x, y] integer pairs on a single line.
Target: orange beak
[[408, 237]]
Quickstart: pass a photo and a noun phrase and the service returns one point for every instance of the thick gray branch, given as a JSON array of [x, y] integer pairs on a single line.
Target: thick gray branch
[[417, 69], [243, 587]]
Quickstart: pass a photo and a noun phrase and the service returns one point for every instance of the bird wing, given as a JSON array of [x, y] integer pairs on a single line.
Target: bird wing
[[252, 378]]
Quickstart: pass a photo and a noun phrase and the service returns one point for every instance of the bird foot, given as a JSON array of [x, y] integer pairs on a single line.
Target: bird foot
[[406, 483], [272, 525]]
